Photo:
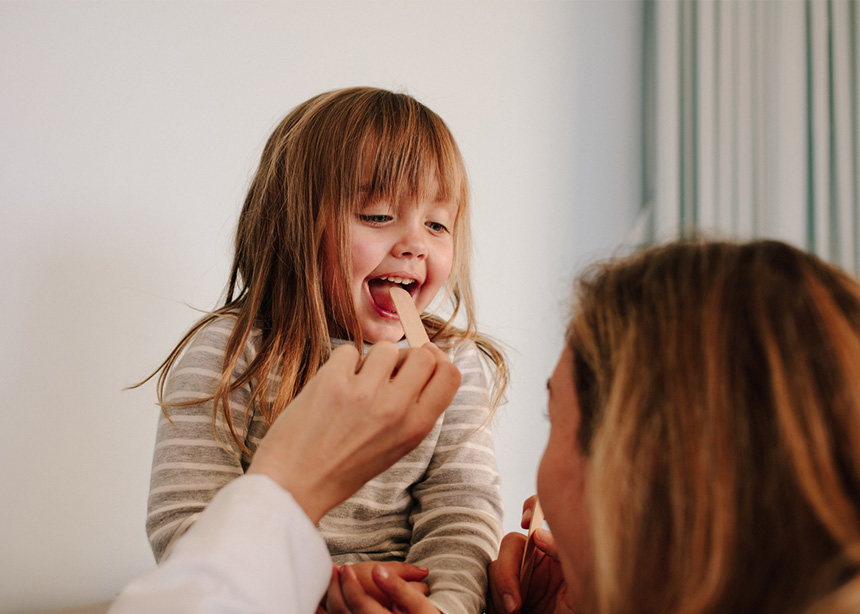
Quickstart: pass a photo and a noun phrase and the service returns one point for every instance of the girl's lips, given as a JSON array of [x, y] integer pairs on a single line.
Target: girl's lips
[[379, 287]]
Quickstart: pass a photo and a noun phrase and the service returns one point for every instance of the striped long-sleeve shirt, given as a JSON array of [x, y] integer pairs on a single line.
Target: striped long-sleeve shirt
[[439, 506]]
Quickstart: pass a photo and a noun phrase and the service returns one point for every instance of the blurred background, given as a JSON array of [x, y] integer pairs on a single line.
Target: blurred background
[[129, 132]]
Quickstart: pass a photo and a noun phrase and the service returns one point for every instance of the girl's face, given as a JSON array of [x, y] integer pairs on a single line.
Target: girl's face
[[408, 244], [561, 479]]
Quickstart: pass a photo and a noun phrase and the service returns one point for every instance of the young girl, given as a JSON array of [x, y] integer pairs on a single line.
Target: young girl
[[358, 190]]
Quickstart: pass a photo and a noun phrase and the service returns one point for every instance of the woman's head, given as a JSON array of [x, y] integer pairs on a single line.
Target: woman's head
[[718, 404], [333, 158]]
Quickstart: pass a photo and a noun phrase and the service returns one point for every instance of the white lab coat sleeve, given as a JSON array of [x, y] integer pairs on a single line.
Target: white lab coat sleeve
[[253, 549]]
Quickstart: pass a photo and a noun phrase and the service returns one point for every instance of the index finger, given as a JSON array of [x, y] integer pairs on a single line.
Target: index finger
[[334, 603], [380, 362], [353, 597], [440, 355], [528, 511], [403, 595], [416, 367], [428, 376], [344, 358]]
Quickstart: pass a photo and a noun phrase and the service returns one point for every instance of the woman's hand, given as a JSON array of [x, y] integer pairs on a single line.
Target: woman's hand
[[346, 595], [411, 574], [353, 420], [547, 591]]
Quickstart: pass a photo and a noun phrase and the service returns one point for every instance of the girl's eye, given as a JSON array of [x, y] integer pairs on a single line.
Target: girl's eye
[[437, 227], [374, 219]]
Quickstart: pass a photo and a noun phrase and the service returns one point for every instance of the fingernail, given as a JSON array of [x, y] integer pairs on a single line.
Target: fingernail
[[383, 573], [510, 603], [527, 515]]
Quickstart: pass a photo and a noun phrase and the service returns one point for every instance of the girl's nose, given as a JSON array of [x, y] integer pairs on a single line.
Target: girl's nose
[[412, 243]]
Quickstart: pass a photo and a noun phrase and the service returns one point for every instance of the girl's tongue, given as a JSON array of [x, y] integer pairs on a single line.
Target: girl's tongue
[[379, 290]]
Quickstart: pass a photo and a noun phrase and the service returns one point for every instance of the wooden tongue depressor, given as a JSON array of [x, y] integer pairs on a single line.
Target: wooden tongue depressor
[[530, 552], [409, 318]]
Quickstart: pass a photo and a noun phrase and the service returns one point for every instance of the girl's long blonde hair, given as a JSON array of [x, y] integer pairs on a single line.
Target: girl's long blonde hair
[[327, 158], [719, 386]]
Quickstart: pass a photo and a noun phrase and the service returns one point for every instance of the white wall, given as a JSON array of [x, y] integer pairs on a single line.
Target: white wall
[[128, 133]]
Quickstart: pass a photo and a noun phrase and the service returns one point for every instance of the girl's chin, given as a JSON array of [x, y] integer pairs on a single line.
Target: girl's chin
[[373, 333], [377, 336], [379, 329], [380, 325]]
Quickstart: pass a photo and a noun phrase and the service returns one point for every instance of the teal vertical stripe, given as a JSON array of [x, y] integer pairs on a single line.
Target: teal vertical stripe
[[810, 144], [835, 253], [687, 102], [649, 118], [682, 116], [855, 131]]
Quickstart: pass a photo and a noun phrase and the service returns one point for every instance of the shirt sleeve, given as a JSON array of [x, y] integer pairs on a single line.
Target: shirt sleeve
[[252, 550], [190, 461], [457, 517]]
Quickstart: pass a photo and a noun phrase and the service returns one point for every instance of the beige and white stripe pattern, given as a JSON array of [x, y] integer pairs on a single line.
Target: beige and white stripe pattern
[[439, 506]]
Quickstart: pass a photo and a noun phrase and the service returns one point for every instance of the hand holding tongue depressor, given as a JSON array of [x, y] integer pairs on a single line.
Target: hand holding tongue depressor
[[409, 318]]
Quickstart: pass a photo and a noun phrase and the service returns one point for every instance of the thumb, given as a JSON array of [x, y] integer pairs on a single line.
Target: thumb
[[402, 595], [410, 572], [546, 543]]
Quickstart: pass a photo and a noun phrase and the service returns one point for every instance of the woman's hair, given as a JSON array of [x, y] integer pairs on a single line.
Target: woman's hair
[[327, 158], [719, 386]]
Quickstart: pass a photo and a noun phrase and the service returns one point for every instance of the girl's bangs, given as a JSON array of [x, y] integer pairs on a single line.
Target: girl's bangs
[[412, 159]]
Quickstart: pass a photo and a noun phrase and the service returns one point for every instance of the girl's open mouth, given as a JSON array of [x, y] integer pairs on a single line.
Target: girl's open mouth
[[379, 291]]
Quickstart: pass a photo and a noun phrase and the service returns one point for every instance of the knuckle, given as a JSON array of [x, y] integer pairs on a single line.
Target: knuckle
[[346, 348], [385, 350], [425, 355], [386, 346], [360, 396], [346, 352], [338, 386], [392, 410]]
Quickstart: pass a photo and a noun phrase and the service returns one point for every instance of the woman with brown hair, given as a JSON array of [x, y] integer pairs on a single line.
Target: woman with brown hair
[[704, 453], [704, 450]]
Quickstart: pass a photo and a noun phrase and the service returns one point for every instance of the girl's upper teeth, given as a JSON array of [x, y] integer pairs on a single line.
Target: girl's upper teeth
[[399, 280]]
